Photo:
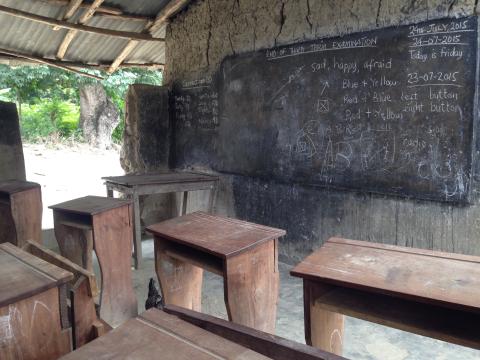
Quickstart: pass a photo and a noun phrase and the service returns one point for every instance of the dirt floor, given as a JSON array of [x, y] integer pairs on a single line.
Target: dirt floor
[[70, 172], [67, 173]]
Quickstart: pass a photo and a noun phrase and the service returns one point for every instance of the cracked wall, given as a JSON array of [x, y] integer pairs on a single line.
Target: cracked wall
[[209, 30], [197, 41]]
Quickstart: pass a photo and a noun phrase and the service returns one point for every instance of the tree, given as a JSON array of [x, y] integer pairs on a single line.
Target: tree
[[39, 84]]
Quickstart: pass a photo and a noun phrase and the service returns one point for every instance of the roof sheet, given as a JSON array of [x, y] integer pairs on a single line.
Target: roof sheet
[[29, 37]]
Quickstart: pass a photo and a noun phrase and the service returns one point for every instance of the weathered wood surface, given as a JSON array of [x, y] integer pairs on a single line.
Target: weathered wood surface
[[159, 178], [269, 345], [10, 187], [30, 308], [20, 212], [75, 244], [82, 292], [112, 233], [30, 329], [135, 186], [324, 328], [244, 254], [251, 287], [222, 237], [105, 226], [449, 280], [427, 292], [89, 205], [155, 334], [179, 279], [23, 275]]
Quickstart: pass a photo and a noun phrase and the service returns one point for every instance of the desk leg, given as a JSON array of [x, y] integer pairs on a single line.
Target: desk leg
[[212, 198], [323, 328], [75, 244], [137, 244], [112, 232], [184, 203], [180, 282], [251, 287]]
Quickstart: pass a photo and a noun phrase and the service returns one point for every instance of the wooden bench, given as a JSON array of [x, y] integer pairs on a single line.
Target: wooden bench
[[104, 225], [20, 212], [184, 334], [243, 253], [136, 185], [33, 321], [429, 293]]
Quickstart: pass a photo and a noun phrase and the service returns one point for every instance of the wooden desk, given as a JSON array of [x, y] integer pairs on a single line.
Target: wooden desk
[[32, 304], [20, 212], [104, 225], [244, 254], [135, 186], [191, 336], [429, 293]]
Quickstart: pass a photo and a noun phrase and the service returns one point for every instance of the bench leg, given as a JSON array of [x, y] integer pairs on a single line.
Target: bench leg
[[180, 282], [112, 231], [251, 287], [323, 328]]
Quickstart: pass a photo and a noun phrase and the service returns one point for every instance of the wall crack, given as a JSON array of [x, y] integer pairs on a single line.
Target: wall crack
[[310, 24], [282, 22], [209, 37], [377, 19]]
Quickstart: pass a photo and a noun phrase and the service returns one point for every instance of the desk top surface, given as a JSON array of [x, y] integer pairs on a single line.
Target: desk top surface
[[157, 335], [14, 186], [23, 275], [433, 277], [90, 205], [222, 237], [159, 178]]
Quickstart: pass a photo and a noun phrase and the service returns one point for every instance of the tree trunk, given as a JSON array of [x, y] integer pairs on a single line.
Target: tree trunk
[[98, 115]]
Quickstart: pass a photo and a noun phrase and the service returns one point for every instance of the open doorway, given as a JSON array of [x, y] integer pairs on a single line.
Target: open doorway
[[71, 127]]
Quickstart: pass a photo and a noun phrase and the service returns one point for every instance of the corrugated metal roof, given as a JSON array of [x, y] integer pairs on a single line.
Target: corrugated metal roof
[[30, 37]]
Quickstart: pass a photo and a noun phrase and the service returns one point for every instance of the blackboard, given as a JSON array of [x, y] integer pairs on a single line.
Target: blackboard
[[388, 111], [195, 110]]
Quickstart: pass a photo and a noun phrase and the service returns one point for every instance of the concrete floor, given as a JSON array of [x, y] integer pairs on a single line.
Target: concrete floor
[[363, 340]]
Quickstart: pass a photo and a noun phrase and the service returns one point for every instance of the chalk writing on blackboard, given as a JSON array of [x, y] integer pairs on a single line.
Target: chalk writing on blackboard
[[389, 111]]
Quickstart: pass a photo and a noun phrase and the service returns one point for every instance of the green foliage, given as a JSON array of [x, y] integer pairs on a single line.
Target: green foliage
[[46, 119], [49, 97]]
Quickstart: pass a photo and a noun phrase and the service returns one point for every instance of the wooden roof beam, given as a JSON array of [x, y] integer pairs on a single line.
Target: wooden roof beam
[[170, 9], [107, 11], [5, 58], [79, 27], [102, 9], [71, 9], [47, 62], [67, 40]]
